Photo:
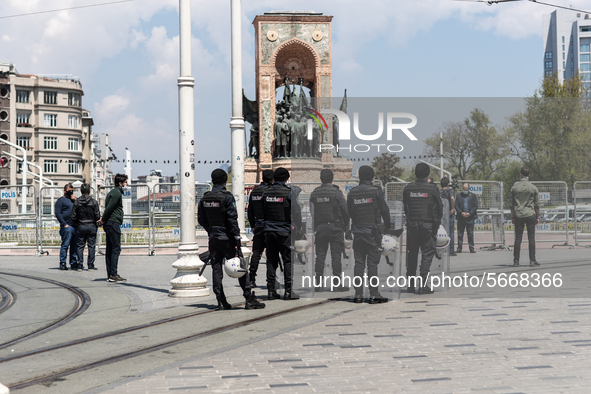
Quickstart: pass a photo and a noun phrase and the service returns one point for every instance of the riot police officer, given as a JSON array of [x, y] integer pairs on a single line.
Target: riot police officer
[[331, 220], [423, 210], [367, 207], [280, 209], [257, 223], [218, 216]]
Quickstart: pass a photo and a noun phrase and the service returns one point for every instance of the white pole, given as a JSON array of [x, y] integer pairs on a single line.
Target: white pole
[[237, 122], [187, 281], [441, 153], [438, 168], [128, 164]]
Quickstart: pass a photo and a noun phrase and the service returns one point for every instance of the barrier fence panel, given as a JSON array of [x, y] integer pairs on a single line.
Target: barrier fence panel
[[555, 224], [394, 190], [489, 227], [582, 213], [49, 226], [166, 215], [19, 230]]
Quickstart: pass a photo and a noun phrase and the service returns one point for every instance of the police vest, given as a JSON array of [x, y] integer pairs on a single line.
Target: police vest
[[215, 210], [326, 207], [365, 206], [421, 206], [277, 205], [256, 200]]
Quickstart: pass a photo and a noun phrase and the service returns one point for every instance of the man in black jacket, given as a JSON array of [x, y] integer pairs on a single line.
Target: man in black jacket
[[218, 216], [331, 220], [111, 221], [257, 223], [367, 206], [280, 209], [423, 210], [466, 207], [85, 215], [63, 213]]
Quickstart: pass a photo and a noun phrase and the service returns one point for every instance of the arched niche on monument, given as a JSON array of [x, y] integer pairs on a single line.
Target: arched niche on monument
[[296, 59]]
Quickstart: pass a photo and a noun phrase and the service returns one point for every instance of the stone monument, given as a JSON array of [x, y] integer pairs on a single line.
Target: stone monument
[[293, 49]]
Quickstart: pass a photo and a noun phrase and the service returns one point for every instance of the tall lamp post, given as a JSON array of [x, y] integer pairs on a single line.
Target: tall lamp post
[[187, 281]]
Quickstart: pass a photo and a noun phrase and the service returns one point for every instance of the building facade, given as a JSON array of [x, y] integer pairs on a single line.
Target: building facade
[[567, 41], [44, 116]]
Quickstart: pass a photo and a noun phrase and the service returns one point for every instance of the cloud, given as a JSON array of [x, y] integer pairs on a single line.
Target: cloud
[[111, 106]]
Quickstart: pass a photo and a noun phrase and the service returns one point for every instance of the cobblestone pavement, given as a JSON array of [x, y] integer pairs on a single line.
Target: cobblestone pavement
[[435, 343]]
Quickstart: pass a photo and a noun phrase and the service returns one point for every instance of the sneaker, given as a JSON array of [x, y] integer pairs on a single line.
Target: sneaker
[[472, 251], [111, 279], [358, 299], [92, 268], [426, 290], [63, 267], [253, 303], [377, 299], [515, 263], [117, 278], [534, 264]]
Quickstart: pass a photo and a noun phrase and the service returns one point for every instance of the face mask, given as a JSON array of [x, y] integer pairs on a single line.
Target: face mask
[[465, 191], [69, 193]]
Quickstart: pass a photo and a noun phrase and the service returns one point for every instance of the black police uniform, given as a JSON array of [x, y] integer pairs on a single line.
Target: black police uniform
[[367, 207], [331, 220], [279, 203], [256, 219], [423, 209], [218, 216]]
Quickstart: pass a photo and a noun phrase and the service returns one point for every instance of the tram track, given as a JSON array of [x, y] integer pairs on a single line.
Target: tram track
[[144, 350], [82, 302], [8, 298]]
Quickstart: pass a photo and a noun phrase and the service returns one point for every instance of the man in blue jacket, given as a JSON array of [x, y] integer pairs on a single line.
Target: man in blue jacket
[[63, 212], [466, 207]]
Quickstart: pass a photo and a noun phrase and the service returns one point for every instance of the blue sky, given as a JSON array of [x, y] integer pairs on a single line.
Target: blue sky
[[126, 56]]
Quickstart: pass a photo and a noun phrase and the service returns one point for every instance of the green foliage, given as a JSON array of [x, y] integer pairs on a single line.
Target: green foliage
[[386, 168]]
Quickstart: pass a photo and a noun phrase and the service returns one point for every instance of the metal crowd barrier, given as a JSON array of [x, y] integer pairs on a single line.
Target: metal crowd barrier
[[553, 195], [19, 230], [582, 209]]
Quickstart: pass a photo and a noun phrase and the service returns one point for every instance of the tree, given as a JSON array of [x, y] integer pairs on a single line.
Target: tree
[[473, 149], [385, 167]]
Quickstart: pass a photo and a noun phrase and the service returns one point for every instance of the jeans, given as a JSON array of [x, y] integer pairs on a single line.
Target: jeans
[[86, 234], [68, 235], [113, 248], [530, 223], [450, 231]]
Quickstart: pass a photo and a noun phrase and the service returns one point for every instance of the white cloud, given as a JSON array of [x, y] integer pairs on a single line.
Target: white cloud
[[111, 106], [7, 38]]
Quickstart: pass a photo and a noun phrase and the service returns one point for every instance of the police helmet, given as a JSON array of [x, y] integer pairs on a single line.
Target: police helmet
[[301, 246], [389, 244], [234, 267], [442, 238]]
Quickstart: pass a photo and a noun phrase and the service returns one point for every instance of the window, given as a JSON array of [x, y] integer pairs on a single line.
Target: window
[[73, 121], [23, 142], [50, 143], [548, 55], [548, 73], [73, 167], [563, 40], [586, 77], [23, 118], [584, 29], [562, 48], [563, 56], [548, 64], [74, 99], [585, 67], [585, 48], [50, 120], [564, 75], [572, 65], [50, 98], [585, 58], [74, 144], [50, 166], [22, 96]]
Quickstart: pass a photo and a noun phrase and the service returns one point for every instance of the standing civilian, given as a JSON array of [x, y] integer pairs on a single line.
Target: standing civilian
[[466, 207], [525, 212], [63, 213], [85, 215], [111, 221]]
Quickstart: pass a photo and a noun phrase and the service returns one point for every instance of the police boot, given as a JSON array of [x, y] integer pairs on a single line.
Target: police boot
[[377, 299], [318, 285], [253, 303], [289, 294], [272, 294], [410, 285], [223, 304]]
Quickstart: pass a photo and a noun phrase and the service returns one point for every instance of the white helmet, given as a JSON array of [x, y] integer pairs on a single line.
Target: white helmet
[[442, 238], [389, 244], [348, 243], [234, 267], [301, 246]]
